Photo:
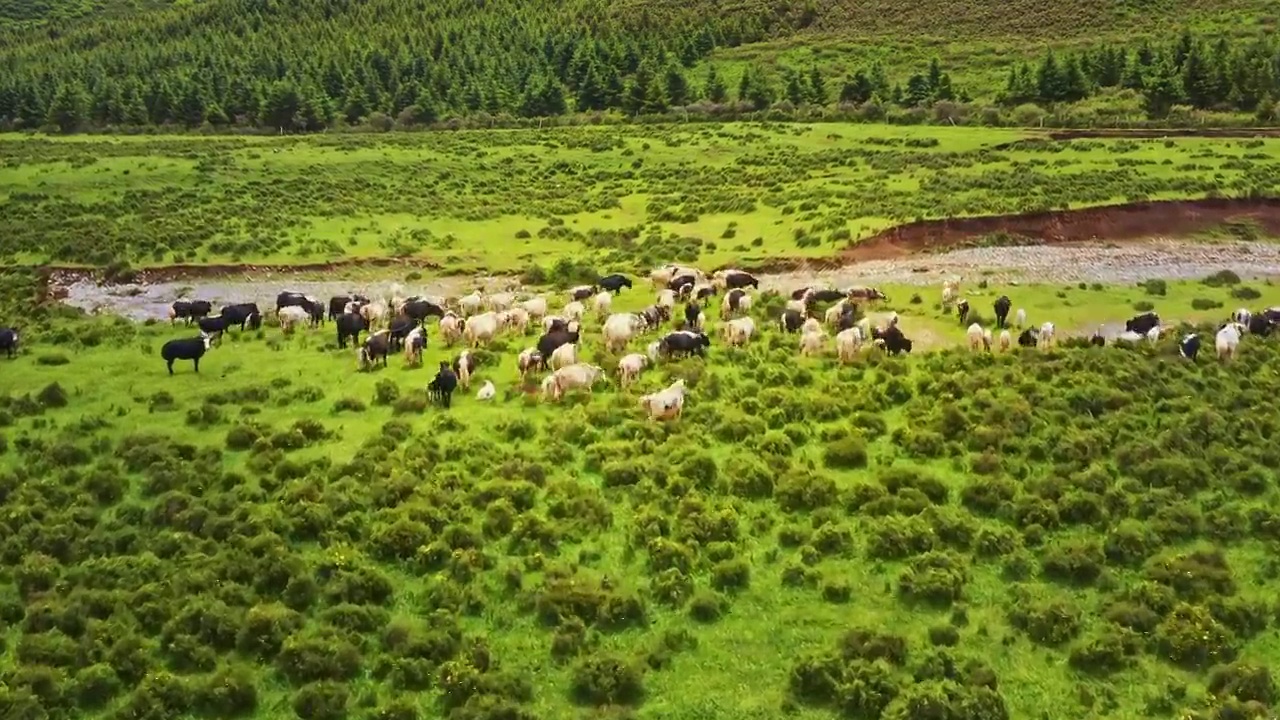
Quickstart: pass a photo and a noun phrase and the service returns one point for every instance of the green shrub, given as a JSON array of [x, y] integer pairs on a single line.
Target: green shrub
[[52, 359], [1154, 287], [1191, 637], [1204, 304], [937, 578], [321, 701], [52, 396], [846, 453], [385, 392], [707, 606], [607, 680], [349, 404], [1245, 293], [1222, 278], [731, 575]]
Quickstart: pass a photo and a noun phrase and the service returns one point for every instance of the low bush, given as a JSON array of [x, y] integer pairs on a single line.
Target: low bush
[[607, 680]]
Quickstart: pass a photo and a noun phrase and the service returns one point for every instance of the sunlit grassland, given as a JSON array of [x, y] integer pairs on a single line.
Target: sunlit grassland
[[625, 196]]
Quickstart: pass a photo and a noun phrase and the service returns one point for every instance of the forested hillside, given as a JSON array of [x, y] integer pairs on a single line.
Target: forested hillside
[[308, 66]]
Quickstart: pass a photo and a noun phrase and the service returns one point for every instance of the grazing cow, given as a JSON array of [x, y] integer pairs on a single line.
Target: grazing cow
[[291, 315], [536, 307], [338, 304], [827, 295], [703, 293], [400, 329], [487, 391], [811, 325], [962, 309], [499, 301], [975, 337], [654, 350], [463, 366], [693, 316], [189, 310], [738, 332], [186, 349], [1002, 306], [1048, 336], [313, 308], [549, 342], [574, 311], [602, 303], [665, 404], [629, 368], [736, 280], [1242, 316], [572, 378], [893, 340], [564, 356], [803, 294], [529, 359], [517, 319], [470, 304], [1020, 318], [1227, 341], [619, 329], [848, 343], [1006, 340], [443, 384], [1190, 346], [212, 326], [420, 310], [1260, 325], [374, 312], [791, 320], [735, 301], [1153, 335], [350, 325], [1143, 323], [614, 283], [242, 314], [414, 344], [950, 293], [9, 342], [581, 292], [655, 315], [683, 342], [480, 329], [678, 283], [1028, 338], [450, 329], [811, 341], [867, 294], [377, 345]]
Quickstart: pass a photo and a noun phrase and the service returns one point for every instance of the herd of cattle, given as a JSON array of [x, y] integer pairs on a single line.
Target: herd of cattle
[[400, 325]]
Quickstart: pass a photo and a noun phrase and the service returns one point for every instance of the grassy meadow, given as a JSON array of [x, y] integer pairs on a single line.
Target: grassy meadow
[[1083, 533], [625, 197]]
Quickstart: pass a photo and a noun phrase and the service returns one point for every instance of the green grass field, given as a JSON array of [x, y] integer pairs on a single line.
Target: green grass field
[[1082, 533], [626, 197]]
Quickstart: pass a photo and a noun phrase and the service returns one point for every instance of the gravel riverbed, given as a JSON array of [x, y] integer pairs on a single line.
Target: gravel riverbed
[[1102, 263]]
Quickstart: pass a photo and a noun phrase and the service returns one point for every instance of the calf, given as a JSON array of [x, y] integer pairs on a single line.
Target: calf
[[1002, 306], [350, 325], [186, 349], [614, 283], [9, 342], [443, 384], [189, 310], [377, 345]]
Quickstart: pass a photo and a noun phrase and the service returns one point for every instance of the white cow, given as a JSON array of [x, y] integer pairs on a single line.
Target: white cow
[[292, 315], [450, 329], [470, 304], [975, 337], [1047, 337], [738, 332], [667, 299], [536, 307], [573, 377], [373, 313], [620, 328], [950, 293], [501, 301], [811, 343], [413, 344], [629, 368], [574, 311], [1006, 340], [564, 356], [810, 326], [665, 404], [602, 303], [1228, 340], [1020, 318], [529, 359], [517, 319], [1242, 316], [848, 343]]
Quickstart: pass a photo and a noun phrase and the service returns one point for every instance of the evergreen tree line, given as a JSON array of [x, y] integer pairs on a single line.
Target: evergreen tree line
[[1242, 76]]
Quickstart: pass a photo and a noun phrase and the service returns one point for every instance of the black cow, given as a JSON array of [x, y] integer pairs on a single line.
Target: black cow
[[655, 315], [212, 326], [583, 292], [1190, 346], [443, 384], [189, 310], [962, 309], [420, 310], [1259, 325], [548, 343], [338, 304], [614, 283], [400, 328], [186, 349], [1029, 337], [1143, 323], [894, 341], [684, 342], [735, 299], [558, 325], [865, 293], [242, 314], [800, 293], [9, 342], [692, 311], [472, 363], [350, 325], [740, 280], [680, 281], [828, 295], [377, 345], [704, 293], [1097, 340], [848, 318], [1002, 306], [791, 320], [314, 308], [683, 292]]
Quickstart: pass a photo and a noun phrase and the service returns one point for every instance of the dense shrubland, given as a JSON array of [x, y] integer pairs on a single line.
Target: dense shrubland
[[558, 203], [1102, 519]]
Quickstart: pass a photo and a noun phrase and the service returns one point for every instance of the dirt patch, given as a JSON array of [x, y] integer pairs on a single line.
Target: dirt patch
[[174, 273], [1130, 221]]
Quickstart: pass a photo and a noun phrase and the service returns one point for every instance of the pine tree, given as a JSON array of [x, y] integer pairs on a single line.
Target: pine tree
[[677, 87], [191, 106], [1164, 89], [133, 110], [591, 90], [716, 91], [817, 86], [1050, 85], [797, 90], [918, 93], [856, 89], [281, 104], [69, 108]]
